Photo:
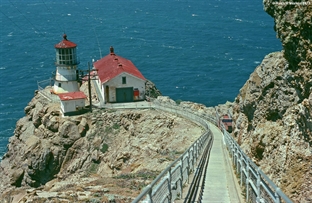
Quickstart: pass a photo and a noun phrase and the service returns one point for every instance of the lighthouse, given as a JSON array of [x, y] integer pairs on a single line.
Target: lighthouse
[[66, 77]]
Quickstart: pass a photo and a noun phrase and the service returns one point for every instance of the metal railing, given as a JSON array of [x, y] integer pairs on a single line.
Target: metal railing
[[44, 88], [98, 92], [257, 186], [168, 185]]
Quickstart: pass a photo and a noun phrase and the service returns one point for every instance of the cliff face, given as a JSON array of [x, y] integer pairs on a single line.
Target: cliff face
[[273, 111], [100, 156]]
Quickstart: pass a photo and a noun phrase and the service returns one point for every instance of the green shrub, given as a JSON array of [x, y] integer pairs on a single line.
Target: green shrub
[[108, 129], [178, 101], [116, 126], [92, 168], [104, 148]]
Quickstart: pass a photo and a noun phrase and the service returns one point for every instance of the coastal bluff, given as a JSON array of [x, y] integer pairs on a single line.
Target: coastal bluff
[[106, 155], [273, 111]]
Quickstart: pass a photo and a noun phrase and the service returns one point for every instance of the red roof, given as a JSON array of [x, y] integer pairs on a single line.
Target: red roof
[[112, 65], [72, 96], [65, 44]]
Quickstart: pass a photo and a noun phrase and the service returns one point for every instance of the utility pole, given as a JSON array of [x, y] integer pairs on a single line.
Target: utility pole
[[85, 75], [89, 87]]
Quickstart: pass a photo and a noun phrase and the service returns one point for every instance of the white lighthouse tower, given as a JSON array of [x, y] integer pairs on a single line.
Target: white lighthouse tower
[[65, 79]]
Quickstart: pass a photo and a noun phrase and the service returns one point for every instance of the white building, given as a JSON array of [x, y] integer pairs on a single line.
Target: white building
[[65, 78], [119, 79], [72, 102]]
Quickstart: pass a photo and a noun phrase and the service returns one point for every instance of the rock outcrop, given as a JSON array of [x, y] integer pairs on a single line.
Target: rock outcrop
[[273, 111], [101, 156], [151, 90]]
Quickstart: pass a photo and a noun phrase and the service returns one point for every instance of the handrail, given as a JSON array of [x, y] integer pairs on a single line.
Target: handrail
[[98, 92], [45, 91], [259, 187], [173, 188], [196, 188]]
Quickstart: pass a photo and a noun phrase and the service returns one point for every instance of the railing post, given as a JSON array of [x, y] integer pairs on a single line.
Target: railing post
[[277, 197], [149, 195], [181, 182], [193, 159], [258, 186], [233, 153], [148, 198], [196, 151], [241, 169], [188, 167], [247, 181], [169, 184]]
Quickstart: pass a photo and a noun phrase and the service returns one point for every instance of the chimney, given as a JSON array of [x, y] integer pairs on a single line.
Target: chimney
[[111, 49]]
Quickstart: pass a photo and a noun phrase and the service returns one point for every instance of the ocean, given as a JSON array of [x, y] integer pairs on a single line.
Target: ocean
[[193, 50]]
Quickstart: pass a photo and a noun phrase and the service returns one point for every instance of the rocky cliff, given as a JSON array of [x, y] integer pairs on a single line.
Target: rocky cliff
[[273, 111], [107, 155]]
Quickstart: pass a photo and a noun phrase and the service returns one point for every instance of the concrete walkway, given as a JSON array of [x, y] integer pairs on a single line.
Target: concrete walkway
[[220, 184], [134, 105]]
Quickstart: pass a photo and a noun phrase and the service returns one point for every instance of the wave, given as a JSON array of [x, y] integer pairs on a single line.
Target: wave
[[4, 138], [171, 47]]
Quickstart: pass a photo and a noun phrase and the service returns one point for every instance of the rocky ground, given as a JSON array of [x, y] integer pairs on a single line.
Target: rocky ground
[[96, 157], [273, 111], [274, 127]]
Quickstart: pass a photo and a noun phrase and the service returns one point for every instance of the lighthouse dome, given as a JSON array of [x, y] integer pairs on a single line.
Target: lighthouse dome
[[65, 43]]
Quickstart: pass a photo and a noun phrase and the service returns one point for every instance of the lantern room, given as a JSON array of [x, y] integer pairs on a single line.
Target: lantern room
[[66, 53]]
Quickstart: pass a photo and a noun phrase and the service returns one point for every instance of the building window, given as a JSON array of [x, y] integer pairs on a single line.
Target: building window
[[124, 80], [60, 84], [66, 56]]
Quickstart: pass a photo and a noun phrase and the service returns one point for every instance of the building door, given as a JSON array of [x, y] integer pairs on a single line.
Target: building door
[[124, 94], [106, 93]]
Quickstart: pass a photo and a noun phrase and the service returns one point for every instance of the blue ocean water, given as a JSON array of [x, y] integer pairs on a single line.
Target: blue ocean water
[[195, 50]]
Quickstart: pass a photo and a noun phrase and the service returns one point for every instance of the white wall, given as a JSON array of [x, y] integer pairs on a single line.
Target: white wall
[[71, 86], [70, 105], [66, 73], [116, 82], [100, 87], [63, 74]]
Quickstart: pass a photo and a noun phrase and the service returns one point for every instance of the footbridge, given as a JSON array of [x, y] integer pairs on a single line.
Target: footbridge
[[214, 169]]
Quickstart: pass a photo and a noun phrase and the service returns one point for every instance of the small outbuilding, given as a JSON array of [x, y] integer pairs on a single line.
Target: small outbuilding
[[119, 79], [72, 103]]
